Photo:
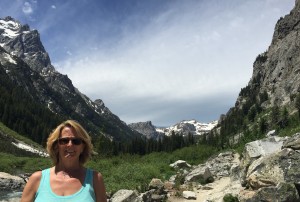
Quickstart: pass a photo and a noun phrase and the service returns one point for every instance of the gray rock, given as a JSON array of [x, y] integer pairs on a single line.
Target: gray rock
[[199, 174], [283, 192], [189, 195], [180, 164], [10, 182], [293, 142], [156, 184], [158, 198], [271, 133], [124, 195], [220, 165], [257, 149]]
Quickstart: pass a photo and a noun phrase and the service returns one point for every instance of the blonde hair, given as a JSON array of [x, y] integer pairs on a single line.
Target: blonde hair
[[80, 132]]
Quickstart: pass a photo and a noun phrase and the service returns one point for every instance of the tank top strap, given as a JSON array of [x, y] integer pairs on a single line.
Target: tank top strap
[[45, 181], [89, 176]]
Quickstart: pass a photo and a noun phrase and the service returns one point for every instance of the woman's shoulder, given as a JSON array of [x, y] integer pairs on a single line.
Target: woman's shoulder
[[36, 176], [97, 175]]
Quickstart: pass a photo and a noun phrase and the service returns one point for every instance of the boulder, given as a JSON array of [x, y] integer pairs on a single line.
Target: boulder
[[273, 176], [189, 195], [199, 174], [158, 186], [9, 182], [147, 196], [293, 142], [282, 166], [271, 133], [124, 195], [220, 166], [283, 192], [158, 198], [258, 149], [180, 164]]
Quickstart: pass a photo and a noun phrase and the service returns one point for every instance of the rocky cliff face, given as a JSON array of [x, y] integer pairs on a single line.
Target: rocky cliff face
[[147, 129], [277, 70], [26, 62]]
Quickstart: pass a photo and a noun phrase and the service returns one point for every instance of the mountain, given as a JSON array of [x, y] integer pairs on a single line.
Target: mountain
[[25, 62], [271, 100], [189, 126], [184, 127], [147, 129], [276, 71]]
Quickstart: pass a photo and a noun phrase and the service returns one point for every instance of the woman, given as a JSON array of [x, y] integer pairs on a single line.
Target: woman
[[69, 147]]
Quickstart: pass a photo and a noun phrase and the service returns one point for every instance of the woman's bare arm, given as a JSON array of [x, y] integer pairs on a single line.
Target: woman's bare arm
[[31, 187], [99, 187]]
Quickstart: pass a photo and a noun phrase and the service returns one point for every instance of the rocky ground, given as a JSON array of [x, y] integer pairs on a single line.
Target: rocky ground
[[218, 190]]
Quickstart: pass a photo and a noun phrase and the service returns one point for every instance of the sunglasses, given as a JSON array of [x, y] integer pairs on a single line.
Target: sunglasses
[[64, 141]]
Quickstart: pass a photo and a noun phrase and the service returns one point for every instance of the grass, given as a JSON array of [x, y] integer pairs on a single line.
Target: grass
[[119, 172], [19, 137], [16, 164]]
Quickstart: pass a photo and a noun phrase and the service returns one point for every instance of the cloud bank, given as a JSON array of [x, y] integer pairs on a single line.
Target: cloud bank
[[163, 61]]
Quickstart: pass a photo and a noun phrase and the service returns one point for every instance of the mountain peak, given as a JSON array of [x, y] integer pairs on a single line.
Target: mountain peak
[[19, 40], [189, 126], [25, 61], [184, 127], [11, 28]]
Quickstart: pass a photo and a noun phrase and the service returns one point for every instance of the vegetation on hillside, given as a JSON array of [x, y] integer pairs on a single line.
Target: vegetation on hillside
[[122, 171], [251, 119]]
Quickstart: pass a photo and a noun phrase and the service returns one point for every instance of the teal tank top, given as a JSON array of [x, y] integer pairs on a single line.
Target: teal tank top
[[85, 194]]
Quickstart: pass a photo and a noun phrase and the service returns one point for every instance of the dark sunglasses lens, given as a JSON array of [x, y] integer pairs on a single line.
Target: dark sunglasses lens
[[64, 141], [76, 141]]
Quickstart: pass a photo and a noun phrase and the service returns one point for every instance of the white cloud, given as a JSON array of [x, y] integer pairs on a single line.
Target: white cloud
[[69, 53], [27, 8], [53, 6], [182, 61]]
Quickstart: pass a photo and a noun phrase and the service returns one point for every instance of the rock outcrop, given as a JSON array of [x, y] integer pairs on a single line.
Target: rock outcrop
[[9, 182], [272, 175], [276, 71], [147, 129]]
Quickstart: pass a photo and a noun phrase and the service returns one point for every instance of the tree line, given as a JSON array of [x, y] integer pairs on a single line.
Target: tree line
[[141, 146]]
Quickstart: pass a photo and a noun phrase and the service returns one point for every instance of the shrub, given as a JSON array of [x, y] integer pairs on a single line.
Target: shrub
[[230, 198]]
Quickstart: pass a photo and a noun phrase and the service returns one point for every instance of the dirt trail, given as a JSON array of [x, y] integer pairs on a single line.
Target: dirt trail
[[220, 188]]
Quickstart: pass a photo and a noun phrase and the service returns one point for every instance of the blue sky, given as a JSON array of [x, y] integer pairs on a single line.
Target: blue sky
[[155, 60]]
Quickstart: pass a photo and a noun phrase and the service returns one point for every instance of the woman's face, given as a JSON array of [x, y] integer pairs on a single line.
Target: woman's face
[[69, 145]]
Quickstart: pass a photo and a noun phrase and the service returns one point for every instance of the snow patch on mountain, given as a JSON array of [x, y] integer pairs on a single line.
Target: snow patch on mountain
[[188, 127], [10, 28], [9, 58], [30, 149]]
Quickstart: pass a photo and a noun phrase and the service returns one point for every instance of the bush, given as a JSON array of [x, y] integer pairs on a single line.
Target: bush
[[230, 198]]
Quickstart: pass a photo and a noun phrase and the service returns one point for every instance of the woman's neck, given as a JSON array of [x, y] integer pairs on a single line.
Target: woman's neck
[[68, 167]]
